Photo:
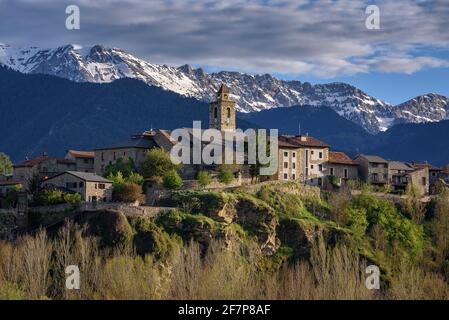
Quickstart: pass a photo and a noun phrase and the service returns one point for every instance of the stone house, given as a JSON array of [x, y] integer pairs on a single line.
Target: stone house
[[91, 187], [302, 158], [341, 166], [417, 177], [372, 169], [43, 166], [84, 160], [435, 173], [134, 148]]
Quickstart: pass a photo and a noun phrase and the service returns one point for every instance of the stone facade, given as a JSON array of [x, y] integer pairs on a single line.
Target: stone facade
[[84, 160], [104, 157], [373, 169], [302, 158], [222, 111], [135, 148], [43, 166], [91, 189]]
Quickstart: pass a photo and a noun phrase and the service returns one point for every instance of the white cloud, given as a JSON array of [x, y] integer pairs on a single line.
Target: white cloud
[[320, 37]]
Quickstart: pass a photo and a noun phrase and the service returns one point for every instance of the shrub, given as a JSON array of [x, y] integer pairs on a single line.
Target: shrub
[[112, 228], [125, 166], [135, 178], [172, 180], [203, 178], [151, 239], [156, 165], [72, 198], [50, 197], [225, 176], [10, 291], [400, 231], [127, 192]]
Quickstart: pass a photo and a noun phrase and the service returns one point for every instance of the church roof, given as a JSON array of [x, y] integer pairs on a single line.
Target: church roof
[[223, 89]]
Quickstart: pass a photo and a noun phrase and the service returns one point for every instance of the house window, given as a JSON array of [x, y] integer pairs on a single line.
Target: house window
[[294, 165], [81, 185], [101, 186], [293, 154], [320, 155], [229, 113], [286, 154], [320, 181], [285, 176], [114, 156], [424, 181], [332, 171], [71, 185], [311, 166], [311, 152], [216, 113], [294, 176], [285, 165], [320, 167], [102, 156], [433, 174], [86, 161], [346, 173]]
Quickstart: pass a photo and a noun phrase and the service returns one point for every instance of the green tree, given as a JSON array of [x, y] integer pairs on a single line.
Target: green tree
[[156, 165], [172, 180], [124, 165], [127, 192], [225, 176], [5, 164], [204, 178]]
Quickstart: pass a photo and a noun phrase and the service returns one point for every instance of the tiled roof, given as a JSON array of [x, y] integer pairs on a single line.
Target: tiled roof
[[33, 162], [81, 154], [86, 176], [303, 141], [65, 161], [375, 159], [141, 142], [340, 158], [426, 165], [398, 165]]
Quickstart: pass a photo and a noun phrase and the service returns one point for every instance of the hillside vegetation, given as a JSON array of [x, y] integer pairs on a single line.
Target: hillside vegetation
[[271, 241]]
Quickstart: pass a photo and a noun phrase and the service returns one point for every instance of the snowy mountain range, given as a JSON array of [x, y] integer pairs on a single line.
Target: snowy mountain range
[[251, 92]]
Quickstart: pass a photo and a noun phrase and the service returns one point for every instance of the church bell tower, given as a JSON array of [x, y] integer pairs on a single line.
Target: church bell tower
[[222, 111]]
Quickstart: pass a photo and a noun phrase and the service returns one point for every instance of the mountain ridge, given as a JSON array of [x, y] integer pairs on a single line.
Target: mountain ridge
[[99, 64]]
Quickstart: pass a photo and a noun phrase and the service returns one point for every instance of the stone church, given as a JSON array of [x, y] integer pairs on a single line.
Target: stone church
[[222, 111]]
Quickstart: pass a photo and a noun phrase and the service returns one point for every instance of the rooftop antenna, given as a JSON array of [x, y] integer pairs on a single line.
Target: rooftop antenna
[[299, 128]]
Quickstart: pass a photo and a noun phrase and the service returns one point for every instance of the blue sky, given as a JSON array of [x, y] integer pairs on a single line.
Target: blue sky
[[309, 40]]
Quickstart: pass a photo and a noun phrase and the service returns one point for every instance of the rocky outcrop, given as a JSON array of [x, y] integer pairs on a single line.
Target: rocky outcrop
[[253, 215], [301, 235]]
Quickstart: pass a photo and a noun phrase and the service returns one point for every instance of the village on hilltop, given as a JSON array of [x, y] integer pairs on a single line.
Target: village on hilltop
[[301, 158]]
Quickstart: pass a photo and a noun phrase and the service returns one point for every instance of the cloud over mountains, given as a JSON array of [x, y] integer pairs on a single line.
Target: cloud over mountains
[[293, 37]]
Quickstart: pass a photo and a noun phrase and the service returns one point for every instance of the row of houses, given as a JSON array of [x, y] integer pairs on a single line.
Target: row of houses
[[301, 158]]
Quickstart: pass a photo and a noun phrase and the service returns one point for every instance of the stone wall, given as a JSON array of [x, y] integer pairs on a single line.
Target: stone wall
[[7, 223]]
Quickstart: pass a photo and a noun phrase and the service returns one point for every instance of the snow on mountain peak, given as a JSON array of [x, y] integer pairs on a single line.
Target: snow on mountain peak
[[251, 92]]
